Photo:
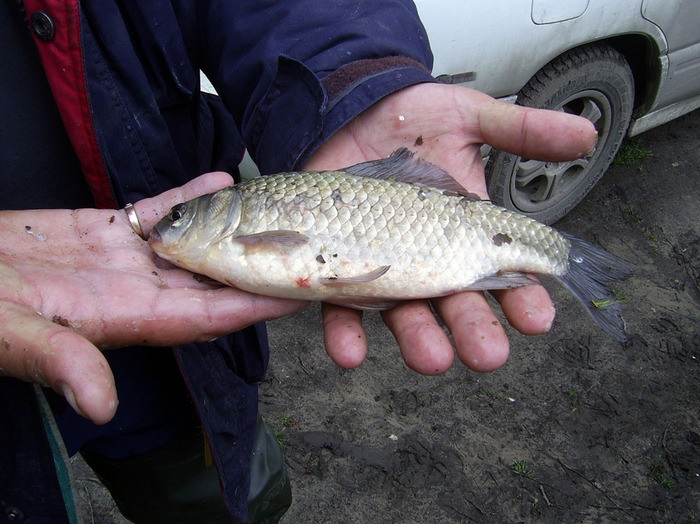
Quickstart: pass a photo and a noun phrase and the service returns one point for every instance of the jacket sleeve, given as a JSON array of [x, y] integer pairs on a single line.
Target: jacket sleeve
[[293, 72]]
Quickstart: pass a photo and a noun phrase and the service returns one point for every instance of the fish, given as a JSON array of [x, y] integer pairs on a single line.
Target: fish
[[377, 233]]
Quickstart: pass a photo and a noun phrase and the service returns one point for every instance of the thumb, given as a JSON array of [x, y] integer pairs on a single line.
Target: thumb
[[151, 210], [35, 349], [536, 133]]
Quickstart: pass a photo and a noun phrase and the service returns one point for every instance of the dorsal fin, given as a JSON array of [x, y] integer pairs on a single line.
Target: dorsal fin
[[404, 166]]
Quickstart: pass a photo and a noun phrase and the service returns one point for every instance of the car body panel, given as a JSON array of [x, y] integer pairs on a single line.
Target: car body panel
[[683, 35], [546, 12], [499, 45]]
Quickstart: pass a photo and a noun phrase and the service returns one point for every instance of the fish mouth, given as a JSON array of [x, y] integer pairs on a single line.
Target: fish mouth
[[155, 241], [155, 235], [172, 252]]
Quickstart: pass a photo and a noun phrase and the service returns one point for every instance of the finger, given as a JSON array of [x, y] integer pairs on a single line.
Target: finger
[[529, 309], [151, 210], [536, 133], [344, 337], [424, 345], [192, 315], [479, 338], [36, 350], [206, 315]]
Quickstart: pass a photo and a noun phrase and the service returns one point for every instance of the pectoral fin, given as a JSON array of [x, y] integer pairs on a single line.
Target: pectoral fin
[[357, 279], [280, 240]]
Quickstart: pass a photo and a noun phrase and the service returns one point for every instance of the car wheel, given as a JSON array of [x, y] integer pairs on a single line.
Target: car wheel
[[593, 81]]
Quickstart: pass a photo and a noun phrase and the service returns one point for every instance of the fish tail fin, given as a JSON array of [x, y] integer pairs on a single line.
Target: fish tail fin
[[591, 269]]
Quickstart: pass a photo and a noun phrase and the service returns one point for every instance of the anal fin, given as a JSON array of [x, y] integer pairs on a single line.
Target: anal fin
[[502, 280]]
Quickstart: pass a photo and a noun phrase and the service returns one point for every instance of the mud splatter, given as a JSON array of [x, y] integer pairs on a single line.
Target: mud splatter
[[57, 319], [500, 238]]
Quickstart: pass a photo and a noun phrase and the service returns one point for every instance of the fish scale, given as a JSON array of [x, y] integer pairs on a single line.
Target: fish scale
[[374, 234]]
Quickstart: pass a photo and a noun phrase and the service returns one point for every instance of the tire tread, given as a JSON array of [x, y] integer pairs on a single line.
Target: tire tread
[[552, 77]]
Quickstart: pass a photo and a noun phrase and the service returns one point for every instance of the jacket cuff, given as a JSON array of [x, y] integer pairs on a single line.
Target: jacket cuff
[[300, 112], [346, 78]]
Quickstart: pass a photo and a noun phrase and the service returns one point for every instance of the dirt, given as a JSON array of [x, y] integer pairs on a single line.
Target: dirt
[[576, 427]]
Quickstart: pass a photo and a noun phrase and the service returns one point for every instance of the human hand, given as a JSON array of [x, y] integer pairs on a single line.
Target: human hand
[[73, 281], [446, 125]]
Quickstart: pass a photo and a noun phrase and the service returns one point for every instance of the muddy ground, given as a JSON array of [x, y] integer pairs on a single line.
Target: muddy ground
[[576, 427]]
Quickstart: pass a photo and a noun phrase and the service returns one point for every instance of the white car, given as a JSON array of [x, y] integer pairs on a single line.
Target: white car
[[626, 65]]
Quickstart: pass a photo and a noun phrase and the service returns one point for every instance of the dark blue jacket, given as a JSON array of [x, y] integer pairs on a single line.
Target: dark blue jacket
[[125, 75]]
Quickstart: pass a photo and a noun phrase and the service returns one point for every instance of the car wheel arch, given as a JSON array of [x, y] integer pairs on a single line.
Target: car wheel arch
[[643, 54]]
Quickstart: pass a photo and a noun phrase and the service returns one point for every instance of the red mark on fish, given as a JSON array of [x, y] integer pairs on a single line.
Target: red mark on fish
[[303, 282]]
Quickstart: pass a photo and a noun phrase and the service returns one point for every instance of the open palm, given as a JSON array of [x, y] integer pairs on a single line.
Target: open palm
[[73, 281], [447, 125]]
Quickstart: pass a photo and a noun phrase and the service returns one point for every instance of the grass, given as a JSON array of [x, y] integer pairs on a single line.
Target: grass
[[659, 476], [631, 153], [607, 302], [650, 232], [575, 399], [285, 422], [520, 467], [280, 438]]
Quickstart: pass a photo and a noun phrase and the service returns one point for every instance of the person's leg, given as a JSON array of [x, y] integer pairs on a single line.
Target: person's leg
[[175, 484]]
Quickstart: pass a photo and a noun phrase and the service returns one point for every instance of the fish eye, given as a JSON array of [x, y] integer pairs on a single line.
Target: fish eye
[[177, 212]]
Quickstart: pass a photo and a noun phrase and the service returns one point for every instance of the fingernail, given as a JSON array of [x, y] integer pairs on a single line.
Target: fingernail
[[70, 398], [552, 318], [594, 146]]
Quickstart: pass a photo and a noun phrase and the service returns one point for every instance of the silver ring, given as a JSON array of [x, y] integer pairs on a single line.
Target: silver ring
[[134, 220]]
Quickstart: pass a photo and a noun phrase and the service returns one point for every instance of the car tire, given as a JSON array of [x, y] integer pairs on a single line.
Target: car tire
[[594, 81]]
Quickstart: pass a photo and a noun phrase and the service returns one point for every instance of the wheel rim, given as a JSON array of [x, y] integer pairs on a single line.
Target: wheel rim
[[537, 186]]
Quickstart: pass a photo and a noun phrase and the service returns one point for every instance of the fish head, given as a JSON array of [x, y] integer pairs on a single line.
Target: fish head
[[187, 234]]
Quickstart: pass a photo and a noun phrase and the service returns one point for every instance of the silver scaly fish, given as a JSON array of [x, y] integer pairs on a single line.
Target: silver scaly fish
[[374, 234]]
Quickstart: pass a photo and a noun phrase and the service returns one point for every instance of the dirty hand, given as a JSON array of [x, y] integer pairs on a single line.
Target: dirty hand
[[73, 281], [446, 125]]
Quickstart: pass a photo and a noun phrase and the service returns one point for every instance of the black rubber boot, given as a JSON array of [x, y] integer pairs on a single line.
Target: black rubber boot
[[174, 484]]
